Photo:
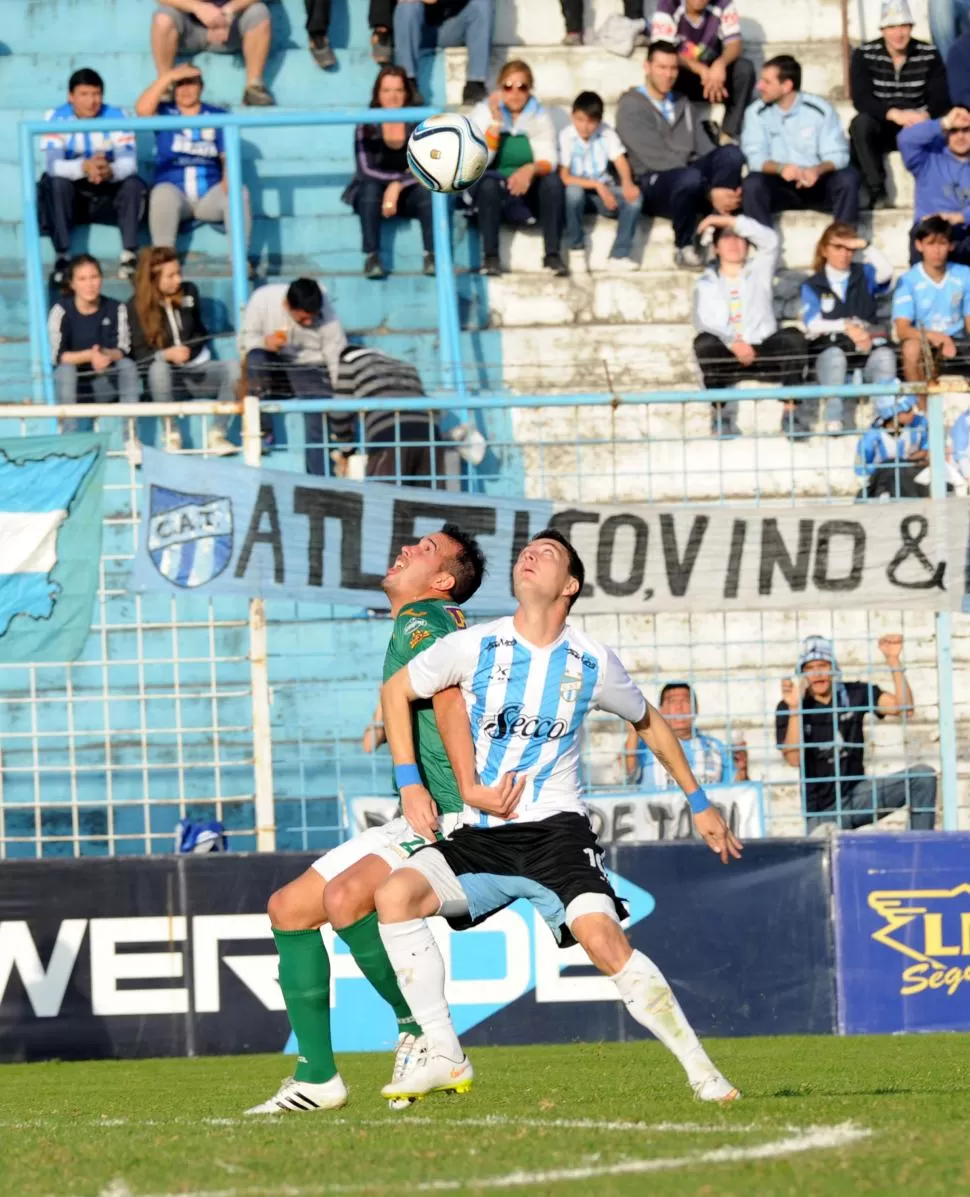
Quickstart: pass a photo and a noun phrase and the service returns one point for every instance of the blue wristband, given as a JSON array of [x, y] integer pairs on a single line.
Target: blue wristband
[[697, 801], [407, 775]]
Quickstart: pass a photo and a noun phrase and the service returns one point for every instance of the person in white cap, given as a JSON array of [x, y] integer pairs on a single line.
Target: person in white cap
[[819, 727], [895, 451], [896, 81]]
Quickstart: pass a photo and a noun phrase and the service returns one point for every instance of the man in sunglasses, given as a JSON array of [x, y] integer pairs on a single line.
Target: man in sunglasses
[[938, 155]]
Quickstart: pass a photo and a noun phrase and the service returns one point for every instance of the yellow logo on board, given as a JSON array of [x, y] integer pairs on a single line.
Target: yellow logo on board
[[940, 949]]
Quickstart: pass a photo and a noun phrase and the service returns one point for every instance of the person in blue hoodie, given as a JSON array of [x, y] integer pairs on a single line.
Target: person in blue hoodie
[[89, 178], [893, 452], [937, 153]]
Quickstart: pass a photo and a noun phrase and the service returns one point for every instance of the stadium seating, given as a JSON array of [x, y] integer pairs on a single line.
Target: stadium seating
[[524, 331]]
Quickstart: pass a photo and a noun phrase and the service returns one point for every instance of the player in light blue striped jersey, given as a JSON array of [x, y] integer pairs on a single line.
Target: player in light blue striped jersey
[[529, 681]]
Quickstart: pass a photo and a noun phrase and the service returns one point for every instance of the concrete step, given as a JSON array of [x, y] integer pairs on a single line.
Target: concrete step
[[539, 22]]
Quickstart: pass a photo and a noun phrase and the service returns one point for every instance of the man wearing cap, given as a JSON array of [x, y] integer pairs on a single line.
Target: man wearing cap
[[190, 183], [893, 453], [734, 315], [710, 758], [937, 153], [820, 728], [896, 81]]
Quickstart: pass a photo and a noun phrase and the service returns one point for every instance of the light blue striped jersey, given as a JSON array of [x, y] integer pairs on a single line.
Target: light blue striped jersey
[[936, 306], [526, 706]]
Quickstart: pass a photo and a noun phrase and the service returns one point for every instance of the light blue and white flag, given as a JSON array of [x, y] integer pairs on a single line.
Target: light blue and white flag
[[50, 544]]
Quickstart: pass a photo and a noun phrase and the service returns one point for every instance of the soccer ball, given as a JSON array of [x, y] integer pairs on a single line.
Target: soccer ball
[[447, 153]]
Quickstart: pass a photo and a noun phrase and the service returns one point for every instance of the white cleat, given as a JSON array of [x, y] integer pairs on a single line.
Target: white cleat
[[716, 1088], [297, 1097], [408, 1046], [425, 1073]]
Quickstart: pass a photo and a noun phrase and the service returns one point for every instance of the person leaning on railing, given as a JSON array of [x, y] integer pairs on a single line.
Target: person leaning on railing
[[383, 187], [170, 341], [292, 339], [820, 727], [190, 180], [90, 340], [734, 315]]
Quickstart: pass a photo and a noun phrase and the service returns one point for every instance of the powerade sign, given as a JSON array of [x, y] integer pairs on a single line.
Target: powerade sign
[[903, 925], [174, 956]]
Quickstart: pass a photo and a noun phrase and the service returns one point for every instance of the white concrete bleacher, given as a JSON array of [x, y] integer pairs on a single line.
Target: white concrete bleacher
[[632, 332]]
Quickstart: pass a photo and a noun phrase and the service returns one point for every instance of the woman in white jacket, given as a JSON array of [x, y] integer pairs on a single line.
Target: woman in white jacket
[[734, 315], [521, 183]]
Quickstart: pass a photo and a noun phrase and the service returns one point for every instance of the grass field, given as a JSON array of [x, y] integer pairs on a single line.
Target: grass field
[[819, 1116]]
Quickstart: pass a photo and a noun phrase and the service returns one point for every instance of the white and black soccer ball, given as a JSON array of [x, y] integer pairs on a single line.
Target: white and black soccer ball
[[447, 153]]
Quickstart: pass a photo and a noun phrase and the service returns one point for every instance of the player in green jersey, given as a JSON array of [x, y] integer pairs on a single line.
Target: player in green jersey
[[425, 585]]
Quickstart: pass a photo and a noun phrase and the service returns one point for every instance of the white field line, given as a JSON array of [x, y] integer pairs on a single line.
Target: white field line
[[406, 1119], [820, 1138]]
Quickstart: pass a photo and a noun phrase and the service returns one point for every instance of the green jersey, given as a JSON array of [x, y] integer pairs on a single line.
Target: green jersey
[[416, 628]]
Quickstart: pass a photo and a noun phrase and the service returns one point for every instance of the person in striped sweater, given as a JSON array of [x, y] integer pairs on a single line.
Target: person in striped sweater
[[896, 81]]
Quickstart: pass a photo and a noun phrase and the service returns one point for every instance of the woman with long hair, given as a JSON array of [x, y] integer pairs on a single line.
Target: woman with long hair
[[521, 184], [90, 341], [839, 310], [170, 340], [382, 187]]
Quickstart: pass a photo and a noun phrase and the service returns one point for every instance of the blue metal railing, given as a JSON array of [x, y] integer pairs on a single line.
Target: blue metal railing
[[232, 123]]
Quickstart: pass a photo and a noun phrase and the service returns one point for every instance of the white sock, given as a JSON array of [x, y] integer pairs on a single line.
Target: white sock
[[651, 1001], [420, 970]]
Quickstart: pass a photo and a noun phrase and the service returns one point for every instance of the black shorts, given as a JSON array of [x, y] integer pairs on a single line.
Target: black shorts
[[555, 863]]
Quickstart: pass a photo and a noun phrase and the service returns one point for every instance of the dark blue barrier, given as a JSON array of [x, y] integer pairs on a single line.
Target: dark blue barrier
[[173, 956], [903, 930]]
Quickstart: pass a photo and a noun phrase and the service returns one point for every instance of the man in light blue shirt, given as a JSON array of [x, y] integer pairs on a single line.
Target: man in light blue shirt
[[797, 153]]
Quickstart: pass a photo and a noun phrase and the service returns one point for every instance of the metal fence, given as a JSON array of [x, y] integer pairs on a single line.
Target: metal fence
[[254, 713]]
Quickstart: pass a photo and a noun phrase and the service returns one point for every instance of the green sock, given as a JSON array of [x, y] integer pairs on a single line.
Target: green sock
[[305, 981], [367, 948]]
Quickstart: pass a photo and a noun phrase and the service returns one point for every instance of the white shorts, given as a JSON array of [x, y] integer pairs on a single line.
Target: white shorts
[[395, 842]]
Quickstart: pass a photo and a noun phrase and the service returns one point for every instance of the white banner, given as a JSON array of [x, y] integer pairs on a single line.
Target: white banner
[[644, 816], [277, 534], [630, 816]]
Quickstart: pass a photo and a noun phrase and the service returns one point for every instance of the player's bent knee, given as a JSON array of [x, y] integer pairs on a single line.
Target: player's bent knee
[[298, 906], [603, 941], [406, 894]]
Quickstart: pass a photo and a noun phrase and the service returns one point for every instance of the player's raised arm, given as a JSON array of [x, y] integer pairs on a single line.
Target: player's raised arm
[[397, 694], [655, 733], [451, 716]]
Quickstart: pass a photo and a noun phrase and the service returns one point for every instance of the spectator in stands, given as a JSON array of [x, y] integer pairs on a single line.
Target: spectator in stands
[[521, 183], [949, 20], [188, 27], [931, 305], [401, 447], [708, 38], [597, 177], [572, 13], [89, 178], [938, 154], [429, 24], [797, 154], [734, 315], [90, 340], [170, 342], [820, 727], [960, 443], [712, 761], [382, 187], [897, 81], [839, 311], [190, 182], [318, 33], [680, 172], [292, 340], [892, 455]]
